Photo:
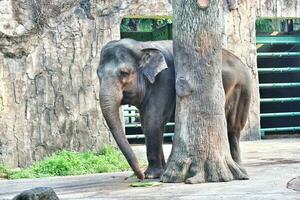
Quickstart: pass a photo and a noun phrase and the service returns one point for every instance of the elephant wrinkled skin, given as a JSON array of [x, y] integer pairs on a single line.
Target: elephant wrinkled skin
[[142, 74]]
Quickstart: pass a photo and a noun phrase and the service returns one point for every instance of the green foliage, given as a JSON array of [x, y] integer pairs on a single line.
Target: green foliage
[[144, 24], [64, 163], [124, 25], [22, 173], [2, 169], [264, 26]]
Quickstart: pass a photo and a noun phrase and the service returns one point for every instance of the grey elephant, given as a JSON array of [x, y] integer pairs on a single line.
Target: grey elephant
[[142, 74]]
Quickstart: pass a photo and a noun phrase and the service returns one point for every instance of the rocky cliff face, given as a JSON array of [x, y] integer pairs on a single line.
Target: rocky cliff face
[[49, 53]]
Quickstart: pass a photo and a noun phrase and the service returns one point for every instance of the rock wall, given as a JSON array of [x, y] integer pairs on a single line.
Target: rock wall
[[49, 53], [278, 8]]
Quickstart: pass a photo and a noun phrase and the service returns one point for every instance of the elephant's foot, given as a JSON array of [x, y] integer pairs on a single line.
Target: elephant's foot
[[153, 172]]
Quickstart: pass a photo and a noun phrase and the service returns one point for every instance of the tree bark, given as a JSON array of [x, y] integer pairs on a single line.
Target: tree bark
[[200, 150]]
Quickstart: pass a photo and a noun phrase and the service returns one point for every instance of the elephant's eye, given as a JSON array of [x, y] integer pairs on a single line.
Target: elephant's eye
[[123, 74]]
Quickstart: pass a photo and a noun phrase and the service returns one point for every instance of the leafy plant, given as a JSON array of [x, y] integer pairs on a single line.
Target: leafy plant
[[125, 25], [64, 163], [143, 24], [264, 26]]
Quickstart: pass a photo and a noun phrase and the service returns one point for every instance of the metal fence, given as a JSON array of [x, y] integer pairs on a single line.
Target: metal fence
[[132, 120], [284, 72]]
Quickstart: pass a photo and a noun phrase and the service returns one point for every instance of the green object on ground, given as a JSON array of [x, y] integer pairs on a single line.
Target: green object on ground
[[65, 163], [145, 184]]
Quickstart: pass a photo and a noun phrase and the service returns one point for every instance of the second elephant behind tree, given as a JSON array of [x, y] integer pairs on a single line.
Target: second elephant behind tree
[[142, 74]]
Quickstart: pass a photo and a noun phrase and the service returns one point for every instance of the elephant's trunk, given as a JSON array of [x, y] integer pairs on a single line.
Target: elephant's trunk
[[110, 108]]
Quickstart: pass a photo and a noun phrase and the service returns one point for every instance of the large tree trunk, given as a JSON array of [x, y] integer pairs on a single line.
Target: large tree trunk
[[200, 150]]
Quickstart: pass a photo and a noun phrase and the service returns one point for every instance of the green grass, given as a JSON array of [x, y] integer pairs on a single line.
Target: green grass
[[64, 163]]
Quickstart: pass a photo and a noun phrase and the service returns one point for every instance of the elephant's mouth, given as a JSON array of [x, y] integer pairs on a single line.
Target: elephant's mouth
[[127, 98]]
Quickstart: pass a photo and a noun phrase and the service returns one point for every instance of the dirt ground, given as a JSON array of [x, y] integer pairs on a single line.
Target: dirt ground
[[273, 166]]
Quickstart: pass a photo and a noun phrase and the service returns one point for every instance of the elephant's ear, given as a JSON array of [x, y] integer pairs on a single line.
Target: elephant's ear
[[152, 62]]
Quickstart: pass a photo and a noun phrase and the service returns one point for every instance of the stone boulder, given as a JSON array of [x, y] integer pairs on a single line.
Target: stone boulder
[[39, 193]]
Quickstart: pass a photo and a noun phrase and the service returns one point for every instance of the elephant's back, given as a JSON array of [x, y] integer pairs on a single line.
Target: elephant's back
[[234, 72], [234, 66]]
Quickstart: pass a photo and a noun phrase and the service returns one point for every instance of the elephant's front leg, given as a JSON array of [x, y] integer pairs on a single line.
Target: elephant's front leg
[[153, 130]]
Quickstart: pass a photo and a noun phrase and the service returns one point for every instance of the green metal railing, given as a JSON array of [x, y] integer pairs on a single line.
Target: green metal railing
[[272, 40], [277, 54], [282, 114], [279, 129], [279, 40], [279, 70], [280, 100], [132, 116], [278, 85], [142, 136], [136, 125]]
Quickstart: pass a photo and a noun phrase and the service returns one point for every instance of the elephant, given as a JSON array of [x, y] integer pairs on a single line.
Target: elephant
[[142, 74]]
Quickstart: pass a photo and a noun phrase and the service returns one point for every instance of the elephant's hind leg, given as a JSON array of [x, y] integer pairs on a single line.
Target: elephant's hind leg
[[237, 108]]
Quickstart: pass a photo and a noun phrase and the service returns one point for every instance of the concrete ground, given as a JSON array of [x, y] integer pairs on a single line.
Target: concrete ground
[[271, 164]]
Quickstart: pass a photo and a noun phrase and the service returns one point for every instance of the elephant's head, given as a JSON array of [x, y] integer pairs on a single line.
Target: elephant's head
[[126, 67]]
